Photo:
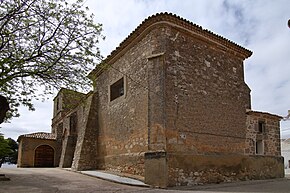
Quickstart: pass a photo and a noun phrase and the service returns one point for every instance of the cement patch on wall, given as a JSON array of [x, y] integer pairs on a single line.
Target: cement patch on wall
[[156, 169]]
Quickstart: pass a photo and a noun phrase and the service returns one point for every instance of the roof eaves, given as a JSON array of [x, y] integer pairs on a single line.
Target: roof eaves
[[38, 135], [264, 113], [173, 18]]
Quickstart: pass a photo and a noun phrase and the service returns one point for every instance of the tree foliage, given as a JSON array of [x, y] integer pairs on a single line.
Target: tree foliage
[[44, 44], [4, 147], [8, 150], [13, 154], [4, 107]]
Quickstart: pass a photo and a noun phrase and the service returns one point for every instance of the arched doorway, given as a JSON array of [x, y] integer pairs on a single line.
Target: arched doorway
[[44, 156]]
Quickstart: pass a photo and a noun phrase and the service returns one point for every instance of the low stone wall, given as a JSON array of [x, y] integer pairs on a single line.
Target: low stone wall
[[185, 170]]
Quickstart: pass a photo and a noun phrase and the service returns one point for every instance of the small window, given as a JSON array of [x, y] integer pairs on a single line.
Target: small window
[[259, 147], [117, 89], [261, 126]]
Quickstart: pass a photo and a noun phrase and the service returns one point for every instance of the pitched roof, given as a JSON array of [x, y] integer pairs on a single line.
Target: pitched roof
[[38, 135], [170, 18]]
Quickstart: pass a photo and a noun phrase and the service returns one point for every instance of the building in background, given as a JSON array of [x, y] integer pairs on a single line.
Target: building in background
[[38, 150], [285, 149], [170, 104]]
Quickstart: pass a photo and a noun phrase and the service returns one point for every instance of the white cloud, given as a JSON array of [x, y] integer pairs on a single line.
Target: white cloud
[[259, 25], [29, 121]]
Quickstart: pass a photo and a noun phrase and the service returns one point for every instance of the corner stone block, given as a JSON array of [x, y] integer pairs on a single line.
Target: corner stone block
[[156, 169]]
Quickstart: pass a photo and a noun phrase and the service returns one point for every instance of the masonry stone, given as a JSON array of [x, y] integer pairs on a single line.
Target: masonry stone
[[171, 106]]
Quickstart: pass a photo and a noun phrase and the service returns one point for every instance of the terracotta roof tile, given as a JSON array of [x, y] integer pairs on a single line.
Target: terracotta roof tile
[[39, 135]]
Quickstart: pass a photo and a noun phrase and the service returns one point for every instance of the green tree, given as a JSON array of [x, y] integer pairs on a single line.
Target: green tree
[[45, 44], [8, 150], [4, 149], [13, 154]]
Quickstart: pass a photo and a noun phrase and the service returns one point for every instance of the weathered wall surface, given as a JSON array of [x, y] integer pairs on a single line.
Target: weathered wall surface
[[206, 96], [270, 136], [180, 117], [68, 122], [73, 125], [156, 171], [123, 122], [156, 104], [204, 114], [67, 152], [27, 148], [86, 146], [128, 163], [193, 170], [62, 131], [65, 102]]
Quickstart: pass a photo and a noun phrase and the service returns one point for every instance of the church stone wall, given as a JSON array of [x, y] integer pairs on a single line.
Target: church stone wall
[[206, 96], [123, 122], [172, 100], [204, 115]]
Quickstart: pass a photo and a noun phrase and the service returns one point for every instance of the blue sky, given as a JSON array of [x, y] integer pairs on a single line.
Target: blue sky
[[259, 25]]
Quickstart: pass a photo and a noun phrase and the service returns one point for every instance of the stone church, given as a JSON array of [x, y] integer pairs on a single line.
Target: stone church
[[169, 105]]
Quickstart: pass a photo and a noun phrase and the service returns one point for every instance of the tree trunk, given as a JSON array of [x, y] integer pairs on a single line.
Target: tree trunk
[[4, 107]]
